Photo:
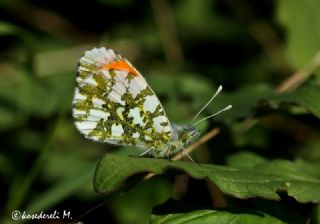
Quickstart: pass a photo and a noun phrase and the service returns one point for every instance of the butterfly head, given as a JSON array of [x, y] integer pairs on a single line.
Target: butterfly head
[[113, 103], [183, 135]]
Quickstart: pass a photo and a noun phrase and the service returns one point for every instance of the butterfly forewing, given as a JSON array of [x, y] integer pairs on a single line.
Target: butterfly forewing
[[113, 103]]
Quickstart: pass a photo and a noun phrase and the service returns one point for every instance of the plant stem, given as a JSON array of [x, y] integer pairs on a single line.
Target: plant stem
[[300, 76], [195, 145], [191, 148], [164, 18]]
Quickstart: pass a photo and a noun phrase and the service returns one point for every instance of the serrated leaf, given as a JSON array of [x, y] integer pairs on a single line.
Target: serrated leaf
[[216, 216], [261, 181]]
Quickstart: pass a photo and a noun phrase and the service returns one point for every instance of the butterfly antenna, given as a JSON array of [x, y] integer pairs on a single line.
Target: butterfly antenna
[[212, 115], [204, 107]]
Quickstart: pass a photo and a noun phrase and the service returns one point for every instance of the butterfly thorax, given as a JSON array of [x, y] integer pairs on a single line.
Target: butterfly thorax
[[181, 137]]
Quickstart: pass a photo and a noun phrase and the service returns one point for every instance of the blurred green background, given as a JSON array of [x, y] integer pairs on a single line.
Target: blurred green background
[[185, 49]]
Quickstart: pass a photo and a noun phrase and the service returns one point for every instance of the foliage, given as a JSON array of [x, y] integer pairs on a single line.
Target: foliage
[[262, 167], [262, 180], [210, 216]]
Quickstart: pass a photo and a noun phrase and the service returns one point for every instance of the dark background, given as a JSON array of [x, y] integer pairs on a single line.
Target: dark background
[[185, 49]]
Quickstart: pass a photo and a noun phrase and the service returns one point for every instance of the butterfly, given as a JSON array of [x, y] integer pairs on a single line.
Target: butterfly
[[113, 103]]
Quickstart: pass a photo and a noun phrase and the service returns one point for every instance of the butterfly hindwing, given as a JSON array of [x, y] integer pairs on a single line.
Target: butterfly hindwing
[[113, 103]]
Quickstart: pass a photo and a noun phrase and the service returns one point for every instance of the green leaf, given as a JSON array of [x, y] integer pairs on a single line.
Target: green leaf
[[307, 96], [243, 101], [264, 180], [216, 216], [35, 96], [316, 215], [8, 28], [49, 62], [8, 118], [61, 190], [245, 159], [135, 206]]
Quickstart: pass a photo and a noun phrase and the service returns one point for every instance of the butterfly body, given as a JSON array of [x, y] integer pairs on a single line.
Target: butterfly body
[[113, 103]]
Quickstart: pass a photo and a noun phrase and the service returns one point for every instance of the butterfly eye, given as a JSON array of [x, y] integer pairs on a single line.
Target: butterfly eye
[[185, 137], [188, 135]]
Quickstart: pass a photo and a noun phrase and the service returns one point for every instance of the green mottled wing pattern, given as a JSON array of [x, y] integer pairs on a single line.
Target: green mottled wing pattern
[[113, 103]]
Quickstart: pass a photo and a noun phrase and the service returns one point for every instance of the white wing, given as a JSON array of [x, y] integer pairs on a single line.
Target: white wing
[[113, 103]]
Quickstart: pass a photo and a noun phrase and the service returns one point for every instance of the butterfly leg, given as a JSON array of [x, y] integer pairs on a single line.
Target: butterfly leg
[[145, 152], [186, 153], [168, 152]]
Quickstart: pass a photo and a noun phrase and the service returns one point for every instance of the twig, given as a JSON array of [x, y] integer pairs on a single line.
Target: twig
[[300, 76], [195, 145], [288, 85], [168, 34], [191, 148]]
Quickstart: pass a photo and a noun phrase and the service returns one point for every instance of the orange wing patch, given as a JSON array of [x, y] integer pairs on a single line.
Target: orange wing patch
[[120, 65]]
